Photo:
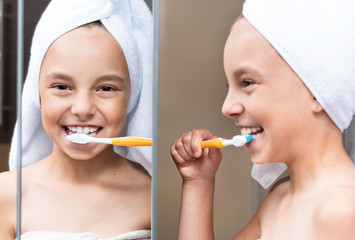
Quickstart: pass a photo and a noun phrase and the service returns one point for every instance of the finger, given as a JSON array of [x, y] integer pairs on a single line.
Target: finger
[[181, 149], [215, 154], [186, 143], [179, 161], [197, 136]]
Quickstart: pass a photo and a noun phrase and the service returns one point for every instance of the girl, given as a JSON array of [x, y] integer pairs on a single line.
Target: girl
[[89, 73], [287, 65]]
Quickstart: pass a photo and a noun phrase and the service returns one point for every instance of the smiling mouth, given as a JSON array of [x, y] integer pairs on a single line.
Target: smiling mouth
[[89, 130], [255, 131]]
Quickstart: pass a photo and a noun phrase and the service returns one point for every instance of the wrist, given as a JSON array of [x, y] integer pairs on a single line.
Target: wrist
[[199, 182]]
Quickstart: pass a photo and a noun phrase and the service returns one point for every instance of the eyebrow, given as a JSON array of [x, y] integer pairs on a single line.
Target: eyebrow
[[111, 77], [63, 76], [244, 70], [60, 76]]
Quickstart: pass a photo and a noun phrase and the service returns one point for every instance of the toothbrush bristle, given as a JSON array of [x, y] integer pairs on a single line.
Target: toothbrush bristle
[[79, 138]]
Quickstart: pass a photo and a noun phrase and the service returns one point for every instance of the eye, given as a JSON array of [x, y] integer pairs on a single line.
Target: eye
[[107, 88], [247, 82], [61, 87]]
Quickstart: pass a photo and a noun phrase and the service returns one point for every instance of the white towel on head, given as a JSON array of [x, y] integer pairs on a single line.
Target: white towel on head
[[131, 24], [316, 38]]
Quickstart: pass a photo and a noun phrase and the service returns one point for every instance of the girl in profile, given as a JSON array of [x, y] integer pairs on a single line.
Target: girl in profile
[[290, 68]]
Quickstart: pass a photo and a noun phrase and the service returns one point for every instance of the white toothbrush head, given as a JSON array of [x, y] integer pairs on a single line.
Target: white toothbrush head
[[79, 138], [238, 140]]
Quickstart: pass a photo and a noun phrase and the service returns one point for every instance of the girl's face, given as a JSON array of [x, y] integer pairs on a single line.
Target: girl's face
[[84, 87], [265, 97]]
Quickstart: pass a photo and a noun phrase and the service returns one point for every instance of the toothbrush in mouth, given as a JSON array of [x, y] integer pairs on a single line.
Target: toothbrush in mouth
[[237, 141], [82, 138]]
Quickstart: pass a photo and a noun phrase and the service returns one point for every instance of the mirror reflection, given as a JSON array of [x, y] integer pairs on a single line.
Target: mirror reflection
[[89, 73]]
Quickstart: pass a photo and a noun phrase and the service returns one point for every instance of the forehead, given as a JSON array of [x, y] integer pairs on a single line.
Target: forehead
[[85, 48], [87, 34], [247, 49], [246, 44]]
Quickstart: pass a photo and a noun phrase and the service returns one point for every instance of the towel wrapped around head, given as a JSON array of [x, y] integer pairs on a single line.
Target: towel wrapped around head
[[316, 38], [131, 24]]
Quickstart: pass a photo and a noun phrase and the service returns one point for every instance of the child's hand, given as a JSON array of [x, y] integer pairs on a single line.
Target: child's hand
[[193, 162]]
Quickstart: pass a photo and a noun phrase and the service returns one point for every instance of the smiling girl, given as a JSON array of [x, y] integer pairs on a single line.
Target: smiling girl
[[90, 79], [270, 97]]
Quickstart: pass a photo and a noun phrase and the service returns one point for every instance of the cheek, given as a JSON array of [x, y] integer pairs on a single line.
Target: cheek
[[51, 111], [115, 112]]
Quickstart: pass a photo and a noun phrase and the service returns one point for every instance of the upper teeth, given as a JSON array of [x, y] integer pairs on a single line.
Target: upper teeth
[[83, 129], [249, 130]]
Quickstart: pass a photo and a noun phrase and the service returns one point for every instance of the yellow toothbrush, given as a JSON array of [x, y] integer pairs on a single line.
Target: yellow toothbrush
[[82, 138], [237, 141]]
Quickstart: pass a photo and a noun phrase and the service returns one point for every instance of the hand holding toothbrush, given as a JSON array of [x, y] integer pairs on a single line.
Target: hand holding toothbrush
[[192, 161], [188, 147]]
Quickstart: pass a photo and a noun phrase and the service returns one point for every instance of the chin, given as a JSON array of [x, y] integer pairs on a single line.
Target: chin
[[82, 154], [260, 159], [81, 157]]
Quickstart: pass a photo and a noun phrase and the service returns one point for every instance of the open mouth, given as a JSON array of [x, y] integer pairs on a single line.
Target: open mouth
[[89, 130], [256, 131]]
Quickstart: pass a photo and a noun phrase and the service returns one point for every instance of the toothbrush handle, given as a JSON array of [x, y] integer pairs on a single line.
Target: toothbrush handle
[[217, 143], [131, 141]]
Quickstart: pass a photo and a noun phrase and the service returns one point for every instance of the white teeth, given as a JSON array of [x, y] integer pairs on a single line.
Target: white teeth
[[243, 131], [250, 130], [86, 130]]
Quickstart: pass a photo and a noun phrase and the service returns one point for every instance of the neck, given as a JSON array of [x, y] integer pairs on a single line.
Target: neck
[[83, 170], [322, 160]]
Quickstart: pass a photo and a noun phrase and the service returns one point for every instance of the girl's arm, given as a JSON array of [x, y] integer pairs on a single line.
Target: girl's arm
[[197, 168], [7, 205], [196, 211]]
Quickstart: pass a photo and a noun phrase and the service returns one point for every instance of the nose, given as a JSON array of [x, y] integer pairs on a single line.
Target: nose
[[83, 106], [232, 106]]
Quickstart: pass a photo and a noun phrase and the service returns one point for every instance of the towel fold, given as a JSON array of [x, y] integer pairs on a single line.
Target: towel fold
[[316, 38], [131, 24], [51, 235]]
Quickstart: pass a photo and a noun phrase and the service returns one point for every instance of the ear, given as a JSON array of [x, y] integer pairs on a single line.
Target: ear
[[316, 107]]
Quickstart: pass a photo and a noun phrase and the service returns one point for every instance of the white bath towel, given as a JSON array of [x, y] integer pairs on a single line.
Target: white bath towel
[[316, 38], [51, 235], [131, 23]]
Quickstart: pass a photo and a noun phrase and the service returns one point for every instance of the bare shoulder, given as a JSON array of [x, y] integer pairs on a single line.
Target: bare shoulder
[[8, 182], [252, 230], [139, 173], [276, 193], [334, 216], [8, 196], [273, 199]]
